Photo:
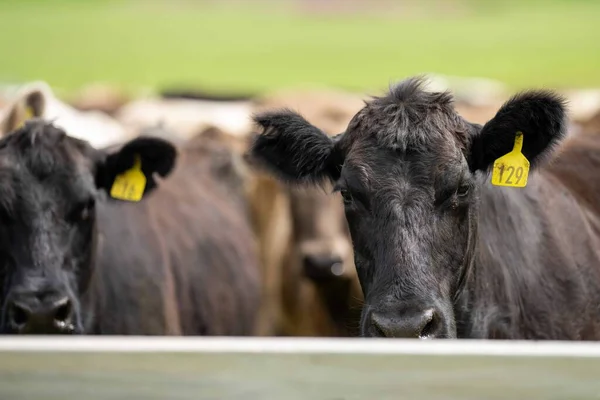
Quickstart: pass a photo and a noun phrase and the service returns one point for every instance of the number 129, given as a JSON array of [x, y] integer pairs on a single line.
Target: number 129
[[512, 172]]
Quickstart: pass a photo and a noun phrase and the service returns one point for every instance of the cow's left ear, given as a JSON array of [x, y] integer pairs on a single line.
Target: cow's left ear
[[30, 103], [293, 149], [118, 172], [539, 115]]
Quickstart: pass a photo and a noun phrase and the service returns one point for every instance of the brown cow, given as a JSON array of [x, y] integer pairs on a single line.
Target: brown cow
[[591, 125], [74, 260], [101, 97], [37, 99], [440, 251], [311, 287], [321, 291]]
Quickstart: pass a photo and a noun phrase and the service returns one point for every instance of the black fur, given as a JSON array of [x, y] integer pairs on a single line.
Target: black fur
[[50, 186], [180, 261], [157, 156], [539, 115], [292, 148]]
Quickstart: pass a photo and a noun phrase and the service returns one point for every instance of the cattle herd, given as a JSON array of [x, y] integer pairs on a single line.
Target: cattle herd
[[298, 213]]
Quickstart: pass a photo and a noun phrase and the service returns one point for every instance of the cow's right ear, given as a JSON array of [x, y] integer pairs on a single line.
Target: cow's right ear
[[293, 149], [118, 170]]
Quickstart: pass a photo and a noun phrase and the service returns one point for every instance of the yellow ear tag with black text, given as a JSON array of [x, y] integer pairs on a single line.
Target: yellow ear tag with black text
[[512, 169], [130, 184]]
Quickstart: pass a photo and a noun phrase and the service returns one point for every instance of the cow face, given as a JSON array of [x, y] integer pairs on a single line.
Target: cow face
[[49, 186], [321, 235], [408, 169]]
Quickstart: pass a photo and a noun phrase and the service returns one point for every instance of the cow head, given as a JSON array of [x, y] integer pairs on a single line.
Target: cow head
[[321, 234], [49, 186], [36, 99], [409, 169]]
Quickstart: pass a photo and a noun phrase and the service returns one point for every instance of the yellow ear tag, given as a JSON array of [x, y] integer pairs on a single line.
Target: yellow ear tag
[[130, 184], [28, 115], [512, 169]]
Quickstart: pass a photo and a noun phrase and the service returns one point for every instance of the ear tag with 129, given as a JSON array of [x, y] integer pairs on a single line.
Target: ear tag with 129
[[512, 169], [130, 184]]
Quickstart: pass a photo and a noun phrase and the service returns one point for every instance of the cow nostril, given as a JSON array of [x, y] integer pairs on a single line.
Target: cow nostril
[[19, 314], [63, 310], [420, 324], [430, 322], [319, 266], [337, 268]]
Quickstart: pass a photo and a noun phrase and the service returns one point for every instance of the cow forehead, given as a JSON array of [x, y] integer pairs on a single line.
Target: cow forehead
[[22, 197], [371, 167], [39, 164], [407, 119], [40, 179], [317, 211], [41, 149]]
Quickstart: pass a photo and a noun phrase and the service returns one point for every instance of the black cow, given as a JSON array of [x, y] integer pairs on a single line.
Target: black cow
[[75, 260], [440, 252]]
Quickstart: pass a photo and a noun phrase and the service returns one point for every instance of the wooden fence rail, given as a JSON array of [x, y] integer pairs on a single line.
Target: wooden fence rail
[[92, 368]]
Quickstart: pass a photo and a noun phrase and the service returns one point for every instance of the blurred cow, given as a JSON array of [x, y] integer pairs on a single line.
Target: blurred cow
[[186, 116], [99, 97], [311, 281], [36, 99], [75, 260], [584, 110], [592, 125]]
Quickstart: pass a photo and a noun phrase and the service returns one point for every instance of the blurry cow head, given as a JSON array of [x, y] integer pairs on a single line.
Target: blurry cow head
[[321, 236], [36, 99], [50, 184]]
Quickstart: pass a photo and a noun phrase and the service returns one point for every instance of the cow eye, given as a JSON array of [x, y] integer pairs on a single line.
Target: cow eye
[[463, 191], [83, 211], [346, 196], [88, 209]]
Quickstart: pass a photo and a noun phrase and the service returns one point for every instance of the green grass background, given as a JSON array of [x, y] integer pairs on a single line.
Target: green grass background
[[256, 46]]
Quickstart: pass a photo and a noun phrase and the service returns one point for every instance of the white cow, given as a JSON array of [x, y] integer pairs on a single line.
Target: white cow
[[187, 117], [36, 99]]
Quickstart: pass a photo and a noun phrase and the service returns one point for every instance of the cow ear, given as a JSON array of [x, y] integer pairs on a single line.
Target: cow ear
[[539, 115], [30, 103], [293, 149], [120, 169]]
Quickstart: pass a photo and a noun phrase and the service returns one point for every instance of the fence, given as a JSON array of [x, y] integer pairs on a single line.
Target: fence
[[131, 368]]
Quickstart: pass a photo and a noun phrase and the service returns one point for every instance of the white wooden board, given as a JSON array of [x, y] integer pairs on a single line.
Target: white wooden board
[[265, 368]]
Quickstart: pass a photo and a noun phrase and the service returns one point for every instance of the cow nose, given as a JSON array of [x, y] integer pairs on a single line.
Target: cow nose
[[420, 324], [320, 266], [29, 314]]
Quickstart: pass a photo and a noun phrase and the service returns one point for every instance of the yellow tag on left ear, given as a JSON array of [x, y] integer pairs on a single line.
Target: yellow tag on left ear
[[512, 169], [28, 115], [130, 184]]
